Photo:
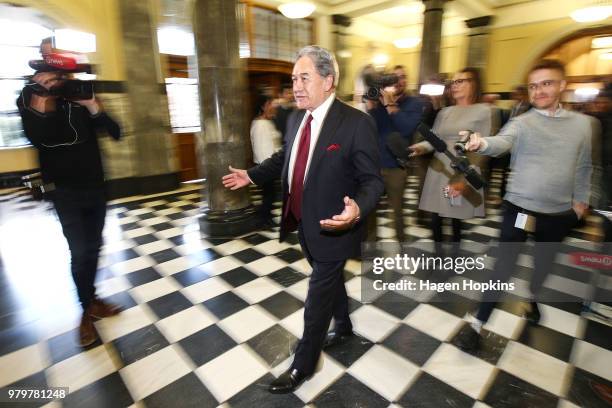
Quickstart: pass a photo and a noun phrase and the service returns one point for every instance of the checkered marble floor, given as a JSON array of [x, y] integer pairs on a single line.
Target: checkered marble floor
[[210, 322]]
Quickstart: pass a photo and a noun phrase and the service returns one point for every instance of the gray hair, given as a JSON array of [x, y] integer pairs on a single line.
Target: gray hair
[[323, 59]]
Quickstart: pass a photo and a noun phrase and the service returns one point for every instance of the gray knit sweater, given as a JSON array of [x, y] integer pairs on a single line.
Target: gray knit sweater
[[551, 160]]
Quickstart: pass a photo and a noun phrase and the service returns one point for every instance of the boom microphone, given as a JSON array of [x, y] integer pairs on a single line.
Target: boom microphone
[[460, 164]]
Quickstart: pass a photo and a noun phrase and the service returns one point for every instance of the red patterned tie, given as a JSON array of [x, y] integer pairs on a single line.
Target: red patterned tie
[[299, 170]]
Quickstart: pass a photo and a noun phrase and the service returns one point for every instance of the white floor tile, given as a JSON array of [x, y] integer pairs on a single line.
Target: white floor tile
[[231, 372], [153, 290], [372, 323], [433, 321], [266, 265], [247, 323], [536, 367], [258, 289], [81, 369], [125, 322], [463, 371], [206, 289], [330, 371], [185, 323], [23, 363], [592, 358], [384, 371], [154, 372]]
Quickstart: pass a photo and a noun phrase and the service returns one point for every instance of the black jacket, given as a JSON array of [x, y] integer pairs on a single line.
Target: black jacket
[[66, 141], [351, 169]]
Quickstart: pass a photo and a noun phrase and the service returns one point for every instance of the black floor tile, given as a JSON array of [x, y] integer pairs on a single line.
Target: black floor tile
[[162, 226], [287, 276], [191, 276], [281, 305], [548, 341], [120, 256], [225, 305], [349, 392], [507, 391], [145, 239], [121, 299], [350, 350], [598, 334], [66, 345], [491, 347], [169, 304], [429, 392], [142, 276], [207, 344], [238, 276], [188, 391], [15, 338], [412, 344], [247, 255], [109, 391], [273, 345], [257, 395], [139, 344], [255, 239], [589, 390], [165, 255], [289, 255], [395, 304]]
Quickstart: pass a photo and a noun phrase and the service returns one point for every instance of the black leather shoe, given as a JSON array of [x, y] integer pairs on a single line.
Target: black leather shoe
[[468, 339], [533, 316], [287, 382], [335, 339]]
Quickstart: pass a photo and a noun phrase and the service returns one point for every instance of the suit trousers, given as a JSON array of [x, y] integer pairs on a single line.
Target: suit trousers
[[550, 230], [326, 298], [395, 184], [82, 213]]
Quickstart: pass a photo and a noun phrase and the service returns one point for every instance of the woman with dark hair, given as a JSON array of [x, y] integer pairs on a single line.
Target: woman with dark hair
[[445, 192], [265, 140]]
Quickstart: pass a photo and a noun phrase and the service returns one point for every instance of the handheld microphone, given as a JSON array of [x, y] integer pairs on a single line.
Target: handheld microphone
[[460, 164]]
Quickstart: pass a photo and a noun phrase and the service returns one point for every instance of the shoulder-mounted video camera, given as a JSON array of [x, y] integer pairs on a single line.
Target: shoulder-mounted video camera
[[376, 82], [64, 63]]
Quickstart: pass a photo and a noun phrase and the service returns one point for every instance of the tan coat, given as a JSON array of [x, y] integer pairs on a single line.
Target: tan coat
[[448, 123]]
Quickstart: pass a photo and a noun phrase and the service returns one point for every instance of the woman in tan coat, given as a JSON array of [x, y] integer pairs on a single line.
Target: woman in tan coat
[[445, 192]]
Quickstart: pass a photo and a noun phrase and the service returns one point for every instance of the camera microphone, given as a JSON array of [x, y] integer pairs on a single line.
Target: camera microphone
[[461, 164]]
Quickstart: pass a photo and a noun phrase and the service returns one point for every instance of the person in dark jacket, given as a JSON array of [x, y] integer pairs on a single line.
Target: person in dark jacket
[[64, 133]]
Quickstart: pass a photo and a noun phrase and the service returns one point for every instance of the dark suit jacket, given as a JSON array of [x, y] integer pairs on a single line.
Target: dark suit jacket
[[351, 170]]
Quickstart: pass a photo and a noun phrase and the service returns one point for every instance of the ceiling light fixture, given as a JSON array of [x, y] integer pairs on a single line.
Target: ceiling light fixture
[[297, 9], [590, 14], [601, 42], [407, 42]]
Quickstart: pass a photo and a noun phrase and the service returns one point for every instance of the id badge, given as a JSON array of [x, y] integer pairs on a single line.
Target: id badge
[[525, 222]]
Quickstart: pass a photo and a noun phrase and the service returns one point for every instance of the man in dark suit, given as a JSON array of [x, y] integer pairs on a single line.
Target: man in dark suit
[[330, 172]]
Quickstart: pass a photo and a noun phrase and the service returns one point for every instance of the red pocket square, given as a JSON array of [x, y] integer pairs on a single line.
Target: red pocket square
[[333, 147]]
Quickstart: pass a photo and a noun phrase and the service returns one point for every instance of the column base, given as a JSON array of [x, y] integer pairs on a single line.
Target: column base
[[229, 224]]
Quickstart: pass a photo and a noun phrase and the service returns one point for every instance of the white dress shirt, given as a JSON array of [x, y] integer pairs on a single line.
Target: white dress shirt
[[318, 115], [265, 139]]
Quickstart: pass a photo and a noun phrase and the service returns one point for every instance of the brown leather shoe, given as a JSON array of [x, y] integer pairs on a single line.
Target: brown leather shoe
[[87, 332], [100, 309]]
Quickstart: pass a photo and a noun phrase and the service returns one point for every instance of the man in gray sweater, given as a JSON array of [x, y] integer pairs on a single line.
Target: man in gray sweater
[[549, 185]]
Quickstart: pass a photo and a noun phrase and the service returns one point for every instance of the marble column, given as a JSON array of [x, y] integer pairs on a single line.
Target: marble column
[[432, 35], [478, 41], [148, 132], [341, 24], [225, 138]]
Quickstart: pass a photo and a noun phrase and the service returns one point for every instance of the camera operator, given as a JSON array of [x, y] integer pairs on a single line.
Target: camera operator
[[64, 133], [395, 111]]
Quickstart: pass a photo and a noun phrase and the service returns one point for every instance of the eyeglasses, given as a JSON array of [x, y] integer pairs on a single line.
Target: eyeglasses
[[546, 84], [459, 81]]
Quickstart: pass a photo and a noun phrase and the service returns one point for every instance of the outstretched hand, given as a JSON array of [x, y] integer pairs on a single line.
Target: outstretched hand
[[238, 178], [345, 220]]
